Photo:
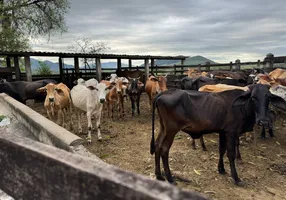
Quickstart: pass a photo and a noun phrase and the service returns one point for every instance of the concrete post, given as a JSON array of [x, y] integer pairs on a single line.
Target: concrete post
[[28, 68]]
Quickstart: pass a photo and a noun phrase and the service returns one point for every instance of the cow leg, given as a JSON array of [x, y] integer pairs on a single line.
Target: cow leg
[[49, 114], [158, 151], [79, 122], [59, 114], [133, 106], [98, 115], [222, 149], [230, 145], [63, 112], [150, 102], [238, 156], [138, 108], [193, 143], [167, 143], [88, 115], [270, 131], [203, 143], [263, 133]]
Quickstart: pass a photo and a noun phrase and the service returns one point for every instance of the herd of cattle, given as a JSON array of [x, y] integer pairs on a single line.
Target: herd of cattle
[[224, 102]]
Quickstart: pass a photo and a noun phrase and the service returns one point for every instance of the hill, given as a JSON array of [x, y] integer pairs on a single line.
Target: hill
[[195, 60], [55, 66]]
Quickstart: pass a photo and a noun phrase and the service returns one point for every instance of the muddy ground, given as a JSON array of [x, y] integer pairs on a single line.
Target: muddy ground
[[126, 145]]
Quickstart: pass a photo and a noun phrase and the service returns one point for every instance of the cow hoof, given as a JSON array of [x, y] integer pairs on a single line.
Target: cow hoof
[[204, 149], [88, 140], [221, 171], [99, 139], [160, 178], [240, 183], [173, 183], [263, 138], [80, 131]]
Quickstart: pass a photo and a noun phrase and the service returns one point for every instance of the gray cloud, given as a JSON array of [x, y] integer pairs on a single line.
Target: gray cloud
[[220, 30]]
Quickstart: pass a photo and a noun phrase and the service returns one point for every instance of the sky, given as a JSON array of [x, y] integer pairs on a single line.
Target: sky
[[221, 30]]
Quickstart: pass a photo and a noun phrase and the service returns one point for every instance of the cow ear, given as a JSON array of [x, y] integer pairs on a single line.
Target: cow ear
[[59, 91], [242, 99], [278, 102], [110, 87], [91, 87], [42, 89], [154, 79]]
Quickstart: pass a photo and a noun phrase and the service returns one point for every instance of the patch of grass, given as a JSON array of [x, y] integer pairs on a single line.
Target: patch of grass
[[2, 117]]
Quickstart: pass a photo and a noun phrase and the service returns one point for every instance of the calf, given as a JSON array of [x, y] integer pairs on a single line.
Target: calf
[[155, 85], [228, 113], [134, 92], [57, 100], [115, 98], [90, 99]]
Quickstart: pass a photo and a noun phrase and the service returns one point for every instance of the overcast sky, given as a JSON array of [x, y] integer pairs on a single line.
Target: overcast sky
[[221, 30]]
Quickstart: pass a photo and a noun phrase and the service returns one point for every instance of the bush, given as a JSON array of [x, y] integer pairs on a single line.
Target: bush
[[43, 69]]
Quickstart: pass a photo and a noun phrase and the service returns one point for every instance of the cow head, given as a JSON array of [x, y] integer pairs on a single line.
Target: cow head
[[79, 81], [51, 89], [259, 98], [135, 86], [101, 90]]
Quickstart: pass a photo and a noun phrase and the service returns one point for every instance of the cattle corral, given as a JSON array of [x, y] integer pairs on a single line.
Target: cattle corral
[[126, 145]]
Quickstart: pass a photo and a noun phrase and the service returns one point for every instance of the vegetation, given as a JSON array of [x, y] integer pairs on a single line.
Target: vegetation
[[43, 69], [21, 19], [86, 45]]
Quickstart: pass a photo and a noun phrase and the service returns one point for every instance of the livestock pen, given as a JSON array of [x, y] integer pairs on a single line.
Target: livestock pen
[[126, 145]]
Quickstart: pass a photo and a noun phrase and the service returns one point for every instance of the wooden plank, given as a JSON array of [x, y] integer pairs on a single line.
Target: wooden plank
[[28, 68], [17, 68], [146, 65], [152, 65], [32, 170], [76, 65], [98, 70]]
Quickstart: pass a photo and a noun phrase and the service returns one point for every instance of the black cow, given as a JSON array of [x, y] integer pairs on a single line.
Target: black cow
[[134, 91], [23, 90], [229, 113], [194, 84]]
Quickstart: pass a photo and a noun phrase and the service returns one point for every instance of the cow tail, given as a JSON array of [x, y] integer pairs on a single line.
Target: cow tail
[[152, 144]]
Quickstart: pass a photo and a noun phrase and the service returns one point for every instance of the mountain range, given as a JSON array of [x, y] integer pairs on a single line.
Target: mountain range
[[195, 60]]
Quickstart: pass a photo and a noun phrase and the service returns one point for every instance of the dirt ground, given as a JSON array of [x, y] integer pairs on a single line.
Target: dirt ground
[[126, 144]]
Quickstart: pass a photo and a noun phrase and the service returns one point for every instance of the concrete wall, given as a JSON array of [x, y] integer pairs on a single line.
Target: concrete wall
[[32, 170]]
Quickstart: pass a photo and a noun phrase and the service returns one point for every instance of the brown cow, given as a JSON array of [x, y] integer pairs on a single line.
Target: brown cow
[[278, 73], [57, 100], [155, 85], [115, 98]]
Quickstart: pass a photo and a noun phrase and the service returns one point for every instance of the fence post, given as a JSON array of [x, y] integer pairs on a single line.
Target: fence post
[[175, 69], [269, 60], [156, 68], [237, 65], [230, 66], [207, 66], [146, 64], [258, 63], [200, 67], [8, 65], [152, 65], [28, 68]]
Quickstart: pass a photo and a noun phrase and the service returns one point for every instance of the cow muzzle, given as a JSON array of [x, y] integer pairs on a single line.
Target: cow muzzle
[[102, 100], [51, 100]]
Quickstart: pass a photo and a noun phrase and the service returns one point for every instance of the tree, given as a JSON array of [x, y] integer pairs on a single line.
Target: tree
[[86, 45], [23, 18], [43, 69]]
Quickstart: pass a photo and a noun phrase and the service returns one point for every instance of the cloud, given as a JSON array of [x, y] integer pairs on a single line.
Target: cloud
[[220, 30]]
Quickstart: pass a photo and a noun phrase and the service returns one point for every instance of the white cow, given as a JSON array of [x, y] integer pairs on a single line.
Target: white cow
[[279, 90], [89, 98]]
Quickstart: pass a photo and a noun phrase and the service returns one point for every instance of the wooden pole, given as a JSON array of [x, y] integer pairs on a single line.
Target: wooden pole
[[207, 66], [98, 70], [231, 66], [258, 63], [237, 64], [28, 68], [8, 64], [130, 64], [146, 64], [152, 65], [76, 67], [118, 64], [17, 68], [61, 69]]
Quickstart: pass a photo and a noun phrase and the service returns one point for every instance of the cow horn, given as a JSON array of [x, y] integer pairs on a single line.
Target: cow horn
[[166, 75]]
